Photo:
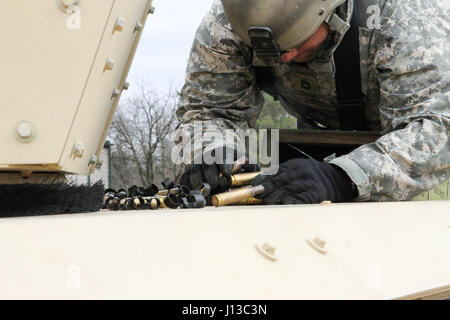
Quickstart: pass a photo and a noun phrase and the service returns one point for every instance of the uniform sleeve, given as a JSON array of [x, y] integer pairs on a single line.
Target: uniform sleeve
[[412, 60], [220, 92]]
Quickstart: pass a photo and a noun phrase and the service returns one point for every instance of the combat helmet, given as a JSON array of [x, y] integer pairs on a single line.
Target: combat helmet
[[274, 26]]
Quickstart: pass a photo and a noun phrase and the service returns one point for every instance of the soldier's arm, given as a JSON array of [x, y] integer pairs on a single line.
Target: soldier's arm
[[412, 59], [220, 88]]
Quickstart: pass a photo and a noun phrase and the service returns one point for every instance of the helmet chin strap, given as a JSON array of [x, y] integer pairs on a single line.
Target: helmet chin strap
[[328, 19]]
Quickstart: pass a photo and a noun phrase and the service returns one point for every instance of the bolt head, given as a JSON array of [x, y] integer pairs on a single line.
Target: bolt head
[[93, 160], [78, 150], [116, 93], [99, 164], [109, 64], [120, 23], [138, 27], [25, 130], [69, 3]]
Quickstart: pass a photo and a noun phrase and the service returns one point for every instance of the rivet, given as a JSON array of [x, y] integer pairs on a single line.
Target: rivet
[[99, 164], [93, 160], [109, 64], [322, 11], [78, 150], [120, 23], [69, 6], [115, 94], [138, 27], [126, 86], [151, 10]]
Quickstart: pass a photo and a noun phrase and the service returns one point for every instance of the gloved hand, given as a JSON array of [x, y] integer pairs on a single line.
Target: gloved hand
[[306, 181], [213, 174]]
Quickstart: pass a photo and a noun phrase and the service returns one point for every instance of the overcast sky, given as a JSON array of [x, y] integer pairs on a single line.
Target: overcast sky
[[164, 48]]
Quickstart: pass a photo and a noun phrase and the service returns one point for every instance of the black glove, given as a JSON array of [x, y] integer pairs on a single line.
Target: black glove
[[306, 181], [213, 174]]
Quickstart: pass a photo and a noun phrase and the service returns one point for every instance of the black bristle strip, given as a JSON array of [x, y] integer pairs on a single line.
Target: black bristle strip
[[18, 200]]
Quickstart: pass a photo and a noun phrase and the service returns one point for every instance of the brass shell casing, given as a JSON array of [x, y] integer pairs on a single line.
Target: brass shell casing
[[125, 204], [166, 192], [236, 196], [135, 203], [242, 179], [163, 203], [250, 202], [154, 203]]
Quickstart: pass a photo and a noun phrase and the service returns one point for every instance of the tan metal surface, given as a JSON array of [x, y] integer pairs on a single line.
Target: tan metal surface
[[45, 69], [98, 106], [372, 251], [55, 81], [148, 9], [45, 178]]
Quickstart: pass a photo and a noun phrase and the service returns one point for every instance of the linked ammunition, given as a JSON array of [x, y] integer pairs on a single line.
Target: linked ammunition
[[195, 201], [181, 190], [168, 184], [205, 189], [171, 201], [112, 204], [151, 191], [153, 203], [138, 203], [125, 204], [176, 196], [164, 193]]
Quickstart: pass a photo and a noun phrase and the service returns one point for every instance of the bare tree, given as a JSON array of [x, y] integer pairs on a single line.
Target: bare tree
[[141, 136]]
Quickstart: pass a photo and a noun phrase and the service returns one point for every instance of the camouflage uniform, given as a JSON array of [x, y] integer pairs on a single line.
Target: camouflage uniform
[[405, 69]]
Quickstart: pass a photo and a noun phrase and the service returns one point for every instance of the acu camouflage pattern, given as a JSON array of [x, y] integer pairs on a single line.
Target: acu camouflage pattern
[[405, 69]]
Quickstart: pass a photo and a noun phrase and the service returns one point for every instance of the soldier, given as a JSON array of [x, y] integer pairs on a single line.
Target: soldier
[[380, 65]]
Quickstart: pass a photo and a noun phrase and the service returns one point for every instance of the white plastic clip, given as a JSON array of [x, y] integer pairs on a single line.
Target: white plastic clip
[[267, 251], [318, 244]]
